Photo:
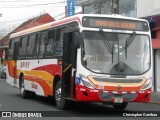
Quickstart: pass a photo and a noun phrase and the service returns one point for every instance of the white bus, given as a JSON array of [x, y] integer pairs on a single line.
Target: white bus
[[91, 58]]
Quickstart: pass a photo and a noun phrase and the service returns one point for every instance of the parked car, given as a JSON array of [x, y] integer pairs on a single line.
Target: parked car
[[2, 72]]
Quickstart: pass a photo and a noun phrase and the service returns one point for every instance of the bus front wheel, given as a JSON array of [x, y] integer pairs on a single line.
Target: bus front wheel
[[120, 106], [61, 102]]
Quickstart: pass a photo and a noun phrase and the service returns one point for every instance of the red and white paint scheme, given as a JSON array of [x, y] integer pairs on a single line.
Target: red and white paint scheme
[[94, 58]]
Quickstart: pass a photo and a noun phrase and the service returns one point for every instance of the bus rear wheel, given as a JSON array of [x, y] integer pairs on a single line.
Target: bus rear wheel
[[120, 106], [61, 102], [23, 92]]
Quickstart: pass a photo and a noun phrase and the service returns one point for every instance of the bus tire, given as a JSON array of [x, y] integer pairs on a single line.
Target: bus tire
[[120, 106], [24, 94], [4, 76], [61, 102]]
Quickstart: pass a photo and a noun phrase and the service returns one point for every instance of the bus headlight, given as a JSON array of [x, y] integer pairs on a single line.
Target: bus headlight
[[85, 81], [147, 85]]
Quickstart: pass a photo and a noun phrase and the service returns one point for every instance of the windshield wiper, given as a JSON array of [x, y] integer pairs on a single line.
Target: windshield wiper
[[107, 44], [129, 41], [126, 49], [112, 52]]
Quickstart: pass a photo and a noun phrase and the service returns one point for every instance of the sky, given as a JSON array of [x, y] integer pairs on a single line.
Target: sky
[[15, 12]]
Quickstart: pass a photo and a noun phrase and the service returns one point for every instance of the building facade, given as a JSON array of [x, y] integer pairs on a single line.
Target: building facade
[[148, 7], [154, 21], [123, 7], [150, 10]]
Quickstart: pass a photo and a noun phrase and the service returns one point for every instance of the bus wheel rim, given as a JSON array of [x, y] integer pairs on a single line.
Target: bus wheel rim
[[58, 95], [22, 89]]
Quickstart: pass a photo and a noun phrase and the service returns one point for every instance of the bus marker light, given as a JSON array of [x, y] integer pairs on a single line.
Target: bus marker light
[[93, 90], [81, 89], [59, 62]]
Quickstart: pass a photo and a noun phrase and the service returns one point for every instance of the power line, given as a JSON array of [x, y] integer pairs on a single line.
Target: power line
[[31, 5], [26, 18], [16, 1], [13, 20], [26, 1]]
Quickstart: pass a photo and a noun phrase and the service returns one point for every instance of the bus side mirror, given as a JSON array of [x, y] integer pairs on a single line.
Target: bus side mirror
[[85, 63]]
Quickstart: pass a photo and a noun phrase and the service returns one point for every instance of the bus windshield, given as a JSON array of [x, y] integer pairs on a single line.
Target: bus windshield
[[116, 53]]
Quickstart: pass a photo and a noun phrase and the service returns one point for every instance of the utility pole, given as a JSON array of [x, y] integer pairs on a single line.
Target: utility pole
[[100, 7], [115, 6]]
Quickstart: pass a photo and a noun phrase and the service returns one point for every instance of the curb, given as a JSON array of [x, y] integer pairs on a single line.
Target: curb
[[154, 102]]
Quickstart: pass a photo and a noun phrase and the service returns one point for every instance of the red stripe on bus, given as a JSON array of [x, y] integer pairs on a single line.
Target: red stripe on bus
[[67, 20], [51, 69]]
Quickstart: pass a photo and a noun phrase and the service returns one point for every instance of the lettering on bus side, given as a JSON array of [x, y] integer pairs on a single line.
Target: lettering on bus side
[[34, 85], [25, 65]]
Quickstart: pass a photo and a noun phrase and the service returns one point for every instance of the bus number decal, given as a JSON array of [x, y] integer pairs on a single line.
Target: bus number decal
[[25, 65]]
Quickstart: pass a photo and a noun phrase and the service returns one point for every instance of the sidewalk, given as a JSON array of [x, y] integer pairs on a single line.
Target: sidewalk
[[155, 97]]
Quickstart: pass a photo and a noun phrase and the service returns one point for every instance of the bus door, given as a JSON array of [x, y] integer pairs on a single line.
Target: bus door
[[68, 66], [15, 57]]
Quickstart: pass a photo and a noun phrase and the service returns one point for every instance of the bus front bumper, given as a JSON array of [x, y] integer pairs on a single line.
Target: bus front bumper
[[93, 95]]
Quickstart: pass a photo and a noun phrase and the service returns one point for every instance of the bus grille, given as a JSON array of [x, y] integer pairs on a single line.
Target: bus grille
[[118, 80], [109, 96]]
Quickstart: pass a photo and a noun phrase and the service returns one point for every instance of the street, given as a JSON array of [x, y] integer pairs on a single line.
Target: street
[[11, 100]]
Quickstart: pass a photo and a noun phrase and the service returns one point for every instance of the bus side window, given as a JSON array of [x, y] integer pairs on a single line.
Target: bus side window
[[36, 47], [11, 48], [42, 41], [49, 53], [58, 52], [30, 46], [23, 46]]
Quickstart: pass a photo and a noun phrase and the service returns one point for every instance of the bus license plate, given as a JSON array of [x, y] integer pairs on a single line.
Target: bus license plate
[[118, 100]]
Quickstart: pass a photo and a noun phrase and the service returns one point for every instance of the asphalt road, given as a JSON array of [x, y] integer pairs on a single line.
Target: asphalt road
[[10, 100]]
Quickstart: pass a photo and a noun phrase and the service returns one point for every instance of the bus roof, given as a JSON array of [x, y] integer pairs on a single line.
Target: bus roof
[[77, 18]]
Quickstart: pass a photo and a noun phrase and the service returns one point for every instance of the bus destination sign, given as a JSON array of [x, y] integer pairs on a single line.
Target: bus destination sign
[[114, 23]]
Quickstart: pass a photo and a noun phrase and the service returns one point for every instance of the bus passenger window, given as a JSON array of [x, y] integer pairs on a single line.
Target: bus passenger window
[[50, 44], [23, 46], [30, 47], [42, 41], [36, 47], [11, 47], [58, 50], [58, 34]]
